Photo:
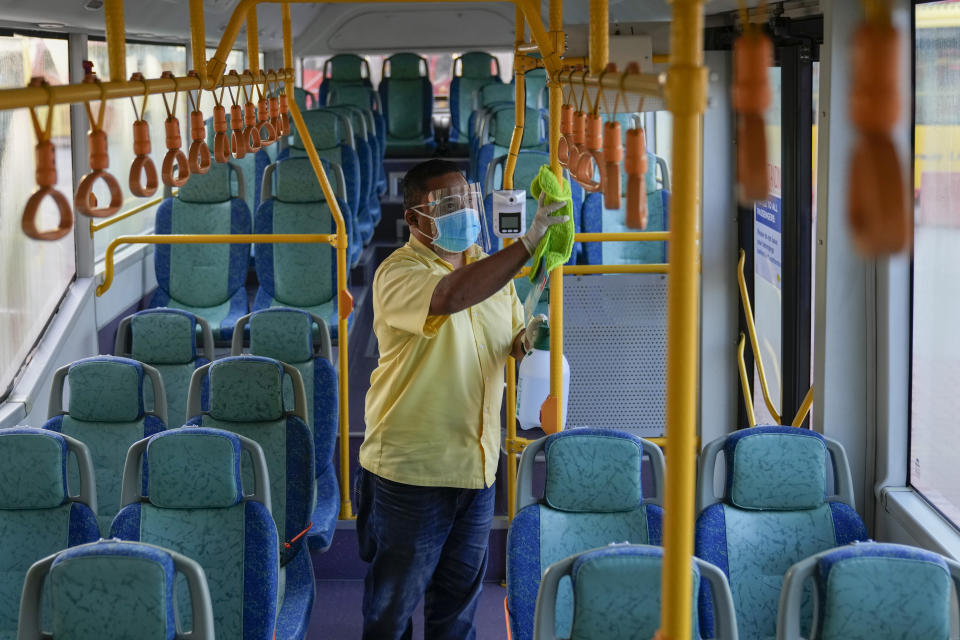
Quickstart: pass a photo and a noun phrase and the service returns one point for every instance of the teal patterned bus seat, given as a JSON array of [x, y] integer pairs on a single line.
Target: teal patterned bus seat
[[38, 514], [407, 96], [303, 276], [106, 412], [593, 497], [303, 341], [204, 279], [189, 499], [343, 70], [369, 197], [246, 398], [365, 97], [497, 132], [166, 339], [773, 512], [471, 72], [616, 595], [871, 591], [114, 589], [535, 83]]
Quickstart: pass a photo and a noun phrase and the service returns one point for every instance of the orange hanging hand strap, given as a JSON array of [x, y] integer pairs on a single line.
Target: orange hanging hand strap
[[251, 134], [84, 199], [284, 118], [590, 162], [880, 218], [46, 176], [613, 155], [238, 146], [752, 56], [221, 141], [636, 166], [198, 158], [175, 170], [268, 135], [565, 143], [143, 181]]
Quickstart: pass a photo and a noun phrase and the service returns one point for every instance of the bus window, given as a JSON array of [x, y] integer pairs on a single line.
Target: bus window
[[150, 60], [33, 275], [234, 59], [767, 243], [936, 258]]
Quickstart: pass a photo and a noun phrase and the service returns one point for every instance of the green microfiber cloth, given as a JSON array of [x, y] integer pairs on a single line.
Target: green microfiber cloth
[[557, 245]]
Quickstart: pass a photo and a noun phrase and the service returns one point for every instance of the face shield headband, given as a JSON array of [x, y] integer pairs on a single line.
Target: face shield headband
[[457, 218]]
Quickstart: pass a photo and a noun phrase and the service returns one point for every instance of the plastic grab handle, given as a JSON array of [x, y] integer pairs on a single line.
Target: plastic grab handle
[[198, 158], [46, 175], [264, 126], [175, 157], [238, 147], [142, 181], [875, 98], [221, 143], [590, 159], [579, 136], [752, 56], [284, 115], [251, 134], [274, 106], [565, 143], [636, 165], [86, 202], [612, 157]]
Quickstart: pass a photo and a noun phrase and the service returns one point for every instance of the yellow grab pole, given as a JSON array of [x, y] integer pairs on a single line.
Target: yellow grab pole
[[253, 40], [754, 342], [116, 40], [520, 106], [287, 50], [198, 40], [686, 99], [745, 383], [344, 299], [804, 409], [213, 238], [599, 36]]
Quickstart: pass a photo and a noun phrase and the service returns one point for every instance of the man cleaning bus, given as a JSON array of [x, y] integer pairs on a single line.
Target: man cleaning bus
[[446, 317]]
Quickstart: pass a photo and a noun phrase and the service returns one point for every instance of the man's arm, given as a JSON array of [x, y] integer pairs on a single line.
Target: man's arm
[[473, 283]]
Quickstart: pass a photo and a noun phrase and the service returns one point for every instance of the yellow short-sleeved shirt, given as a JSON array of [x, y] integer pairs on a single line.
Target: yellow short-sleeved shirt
[[433, 408]]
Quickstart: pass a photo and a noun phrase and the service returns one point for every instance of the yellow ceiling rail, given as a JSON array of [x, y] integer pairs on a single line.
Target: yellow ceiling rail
[[745, 383], [253, 41], [86, 92], [198, 40], [599, 44], [214, 238], [686, 96], [116, 35], [754, 342]]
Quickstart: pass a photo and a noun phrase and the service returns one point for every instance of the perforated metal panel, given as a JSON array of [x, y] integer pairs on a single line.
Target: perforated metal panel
[[615, 338]]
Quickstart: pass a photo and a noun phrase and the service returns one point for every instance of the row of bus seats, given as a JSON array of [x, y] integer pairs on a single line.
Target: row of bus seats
[[246, 489], [585, 545]]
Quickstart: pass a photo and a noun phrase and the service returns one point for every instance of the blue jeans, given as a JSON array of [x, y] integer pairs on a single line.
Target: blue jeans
[[428, 542]]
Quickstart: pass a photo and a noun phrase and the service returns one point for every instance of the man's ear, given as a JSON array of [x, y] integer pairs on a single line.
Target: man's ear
[[410, 216]]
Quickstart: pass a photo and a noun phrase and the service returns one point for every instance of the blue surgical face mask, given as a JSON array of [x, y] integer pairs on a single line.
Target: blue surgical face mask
[[458, 230]]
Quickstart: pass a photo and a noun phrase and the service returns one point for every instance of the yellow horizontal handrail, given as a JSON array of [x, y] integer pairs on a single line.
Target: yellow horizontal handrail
[[592, 269], [214, 238], [94, 226], [745, 383], [641, 84], [804, 409], [754, 344], [86, 92], [623, 236]]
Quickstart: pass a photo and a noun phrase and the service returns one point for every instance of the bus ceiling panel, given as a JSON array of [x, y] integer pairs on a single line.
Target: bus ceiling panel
[[153, 20]]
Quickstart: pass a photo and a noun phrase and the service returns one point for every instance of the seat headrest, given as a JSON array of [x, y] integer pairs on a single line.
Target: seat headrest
[[163, 336], [622, 578], [282, 334], [300, 97], [476, 64], [504, 122], [858, 584], [346, 66], [776, 468], [34, 470], [106, 389], [296, 182], [593, 470], [213, 186], [359, 95], [405, 65], [193, 468], [246, 389], [327, 129], [496, 92]]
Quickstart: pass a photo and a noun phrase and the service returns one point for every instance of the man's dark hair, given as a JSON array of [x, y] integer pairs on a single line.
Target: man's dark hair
[[415, 182]]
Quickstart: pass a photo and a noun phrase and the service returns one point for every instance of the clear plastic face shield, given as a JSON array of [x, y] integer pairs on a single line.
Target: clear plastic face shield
[[457, 217]]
